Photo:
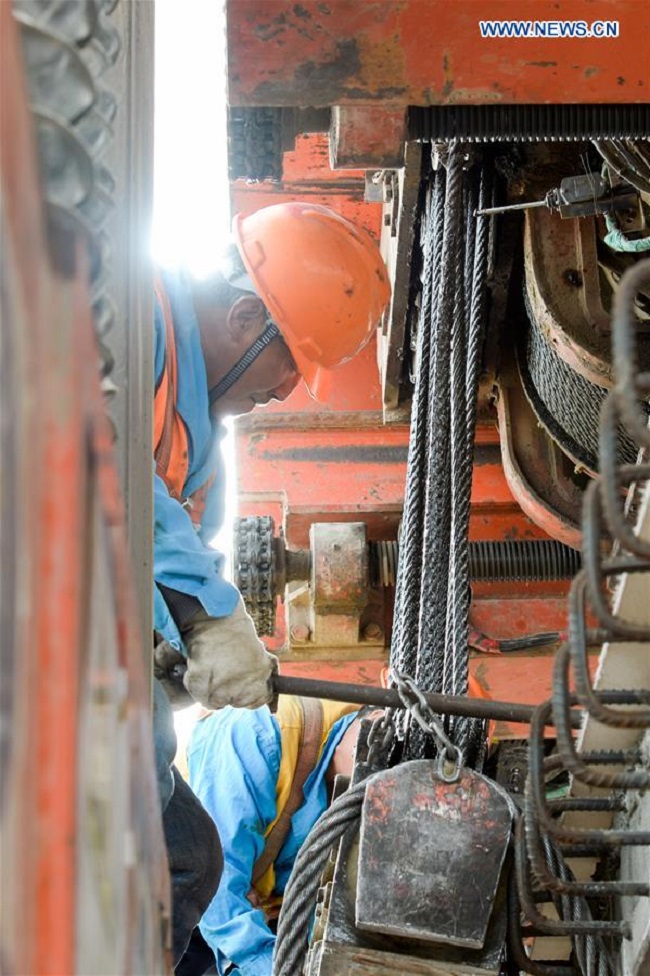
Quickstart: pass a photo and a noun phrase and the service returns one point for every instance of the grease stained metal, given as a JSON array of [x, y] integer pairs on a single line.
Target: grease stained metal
[[355, 454], [417, 53], [448, 842]]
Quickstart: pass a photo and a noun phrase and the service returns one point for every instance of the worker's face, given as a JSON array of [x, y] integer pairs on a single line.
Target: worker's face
[[272, 376]]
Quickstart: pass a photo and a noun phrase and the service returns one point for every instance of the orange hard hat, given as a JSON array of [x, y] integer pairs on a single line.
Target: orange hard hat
[[321, 278]]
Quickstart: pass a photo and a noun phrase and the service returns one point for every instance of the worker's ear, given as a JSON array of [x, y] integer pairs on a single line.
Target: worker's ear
[[246, 317]]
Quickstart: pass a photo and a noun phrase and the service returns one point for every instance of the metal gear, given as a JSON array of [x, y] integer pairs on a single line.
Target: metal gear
[[254, 569]]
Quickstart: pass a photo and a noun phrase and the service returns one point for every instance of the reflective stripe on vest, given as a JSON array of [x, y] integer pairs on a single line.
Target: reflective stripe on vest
[[171, 449]]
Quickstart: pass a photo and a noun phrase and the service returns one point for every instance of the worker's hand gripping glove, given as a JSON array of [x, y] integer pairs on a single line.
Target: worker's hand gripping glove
[[169, 668], [227, 663]]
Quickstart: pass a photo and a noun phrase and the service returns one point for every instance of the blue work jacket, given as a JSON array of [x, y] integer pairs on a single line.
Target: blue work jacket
[[183, 558], [234, 761]]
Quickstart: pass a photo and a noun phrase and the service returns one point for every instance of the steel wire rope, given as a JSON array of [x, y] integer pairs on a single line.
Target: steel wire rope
[[591, 955], [459, 595], [430, 637], [452, 663], [435, 539], [407, 606], [300, 893], [590, 952]]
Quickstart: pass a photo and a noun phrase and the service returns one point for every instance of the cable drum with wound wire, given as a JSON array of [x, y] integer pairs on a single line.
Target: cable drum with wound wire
[[566, 403]]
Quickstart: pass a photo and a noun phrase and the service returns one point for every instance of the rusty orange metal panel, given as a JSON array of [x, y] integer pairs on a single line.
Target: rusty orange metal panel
[[328, 470], [493, 523], [44, 871], [325, 473], [519, 609], [368, 135], [353, 672], [59, 470], [310, 162], [429, 52]]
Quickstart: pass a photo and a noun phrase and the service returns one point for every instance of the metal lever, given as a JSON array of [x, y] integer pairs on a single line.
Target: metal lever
[[484, 708], [389, 698]]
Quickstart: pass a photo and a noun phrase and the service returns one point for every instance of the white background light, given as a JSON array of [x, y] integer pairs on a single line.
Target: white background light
[[191, 220], [191, 193]]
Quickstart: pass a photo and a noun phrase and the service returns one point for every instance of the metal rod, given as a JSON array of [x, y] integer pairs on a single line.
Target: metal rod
[[389, 698], [489, 211]]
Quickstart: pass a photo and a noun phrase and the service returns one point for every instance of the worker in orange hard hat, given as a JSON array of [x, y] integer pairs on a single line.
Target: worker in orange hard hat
[[325, 288], [300, 292]]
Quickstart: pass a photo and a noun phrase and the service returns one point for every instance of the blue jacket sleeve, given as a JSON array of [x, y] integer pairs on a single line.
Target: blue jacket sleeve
[[183, 562], [234, 762]]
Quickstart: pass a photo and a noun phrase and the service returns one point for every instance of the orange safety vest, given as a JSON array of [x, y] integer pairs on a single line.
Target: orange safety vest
[[169, 433]]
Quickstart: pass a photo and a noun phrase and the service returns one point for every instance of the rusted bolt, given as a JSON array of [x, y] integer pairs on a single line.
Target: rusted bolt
[[373, 631], [300, 633], [573, 278]]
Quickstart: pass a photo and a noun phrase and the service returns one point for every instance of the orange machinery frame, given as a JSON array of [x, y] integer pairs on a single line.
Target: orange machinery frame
[[301, 461]]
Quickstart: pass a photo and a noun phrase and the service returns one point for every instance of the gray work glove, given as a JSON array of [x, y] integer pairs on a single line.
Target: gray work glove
[[227, 663], [169, 667]]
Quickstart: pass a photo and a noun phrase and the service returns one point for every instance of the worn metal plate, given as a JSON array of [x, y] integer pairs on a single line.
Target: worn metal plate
[[428, 53], [431, 854], [338, 947]]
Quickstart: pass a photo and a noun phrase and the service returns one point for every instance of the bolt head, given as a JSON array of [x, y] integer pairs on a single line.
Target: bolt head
[[373, 631], [300, 633]]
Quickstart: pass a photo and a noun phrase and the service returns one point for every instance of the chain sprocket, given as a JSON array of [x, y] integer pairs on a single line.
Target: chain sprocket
[[254, 569]]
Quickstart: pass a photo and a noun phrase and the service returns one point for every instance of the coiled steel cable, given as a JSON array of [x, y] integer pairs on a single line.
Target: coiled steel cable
[[605, 519], [586, 933], [591, 954], [304, 880], [567, 404]]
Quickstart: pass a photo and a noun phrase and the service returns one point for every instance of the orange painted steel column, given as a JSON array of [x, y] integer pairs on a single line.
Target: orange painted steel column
[[48, 635], [63, 528]]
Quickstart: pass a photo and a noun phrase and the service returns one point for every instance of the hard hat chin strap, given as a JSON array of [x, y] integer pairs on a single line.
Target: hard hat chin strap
[[270, 333]]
